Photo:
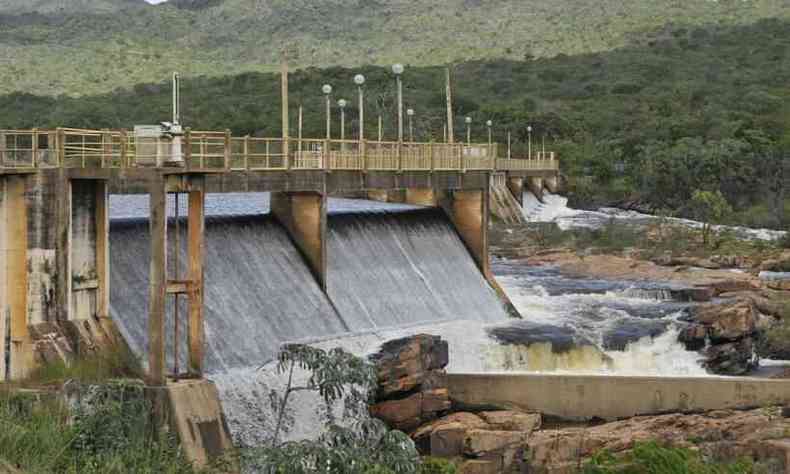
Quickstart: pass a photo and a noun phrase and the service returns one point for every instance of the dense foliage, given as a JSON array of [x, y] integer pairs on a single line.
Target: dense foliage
[[89, 46], [692, 109]]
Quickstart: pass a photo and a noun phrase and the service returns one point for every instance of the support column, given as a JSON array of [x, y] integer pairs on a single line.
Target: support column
[[63, 255], [516, 187], [468, 210], [421, 197], [535, 186], [15, 348], [303, 215], [157, 282], [196, 249]]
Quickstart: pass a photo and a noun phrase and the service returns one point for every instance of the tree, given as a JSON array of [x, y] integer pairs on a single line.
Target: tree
[[710, 208], [353, 444]]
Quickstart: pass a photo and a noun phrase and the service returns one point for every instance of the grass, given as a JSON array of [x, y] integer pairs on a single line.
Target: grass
[[654, 458], [111, 434]]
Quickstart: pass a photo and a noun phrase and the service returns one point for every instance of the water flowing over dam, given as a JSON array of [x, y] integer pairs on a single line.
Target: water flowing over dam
[[389, 266]]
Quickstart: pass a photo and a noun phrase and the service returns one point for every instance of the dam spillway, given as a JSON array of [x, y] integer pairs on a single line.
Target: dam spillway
[[388, 266]]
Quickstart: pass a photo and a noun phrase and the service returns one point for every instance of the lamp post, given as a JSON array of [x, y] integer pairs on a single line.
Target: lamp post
[[489, 124], [410, 113], [342, 104], [359, 80], [509, 156], [529, 134], [327, 90], [381, 129], [543, 147], [397, 69], [468, 121]]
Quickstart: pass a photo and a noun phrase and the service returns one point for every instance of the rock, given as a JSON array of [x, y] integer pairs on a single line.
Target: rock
[[404, 415], [422, 436], [693, 294], [447, 440], [739, 433], [728, 286], [477, 466], [780, 285], [481, 442], [728, 321], [693, 336], [405, 364], [435, 401], [512, 420], [733, 358]]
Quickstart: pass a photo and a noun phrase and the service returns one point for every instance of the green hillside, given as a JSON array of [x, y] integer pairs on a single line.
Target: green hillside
[[702, 108], [80, 47]]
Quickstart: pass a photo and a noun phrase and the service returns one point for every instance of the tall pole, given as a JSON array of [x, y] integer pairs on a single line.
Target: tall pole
[[284, 84], [509, 156], [444, 131], [449, 92], [381, 126], [300, 130], [176, 99], [327, 90], [543, 146], [410, 113], [342, 104], [529, 132], [359, 80], [400, 108], [468, 130]]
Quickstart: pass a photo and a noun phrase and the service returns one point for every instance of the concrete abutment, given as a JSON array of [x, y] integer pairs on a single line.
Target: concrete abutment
[[516, 187]]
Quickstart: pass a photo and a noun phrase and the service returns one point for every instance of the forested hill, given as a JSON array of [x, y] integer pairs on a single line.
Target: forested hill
[[704, 108], [79, 47]]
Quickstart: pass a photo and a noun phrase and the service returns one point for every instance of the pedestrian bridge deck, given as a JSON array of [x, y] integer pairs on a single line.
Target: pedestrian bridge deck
[[220, 152]]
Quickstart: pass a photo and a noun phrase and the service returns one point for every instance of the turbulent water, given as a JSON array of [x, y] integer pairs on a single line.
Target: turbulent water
[[554, 208]]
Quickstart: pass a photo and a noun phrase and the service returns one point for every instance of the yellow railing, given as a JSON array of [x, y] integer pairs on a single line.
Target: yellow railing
[[219, 151]]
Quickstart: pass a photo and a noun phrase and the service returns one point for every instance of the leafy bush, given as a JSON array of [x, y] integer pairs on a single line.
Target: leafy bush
[[352, 444], [654, 458], [437, 466]]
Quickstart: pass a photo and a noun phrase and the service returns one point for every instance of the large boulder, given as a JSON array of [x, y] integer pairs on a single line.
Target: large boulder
[[729, 321], [412, 383], [732, 358]]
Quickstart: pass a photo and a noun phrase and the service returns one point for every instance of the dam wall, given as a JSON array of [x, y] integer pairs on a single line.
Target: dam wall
[[384, 269], [581, 397]]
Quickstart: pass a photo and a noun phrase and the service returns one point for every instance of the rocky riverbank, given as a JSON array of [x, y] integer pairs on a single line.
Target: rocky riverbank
[[411, 371]]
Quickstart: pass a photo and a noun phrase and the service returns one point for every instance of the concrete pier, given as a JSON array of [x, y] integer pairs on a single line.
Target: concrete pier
[[516, 186], [304, 217]]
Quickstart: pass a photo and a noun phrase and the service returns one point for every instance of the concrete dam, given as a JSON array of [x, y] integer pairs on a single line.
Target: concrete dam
[[386, 268]]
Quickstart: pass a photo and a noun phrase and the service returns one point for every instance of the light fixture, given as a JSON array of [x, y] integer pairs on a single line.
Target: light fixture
[[327, 89], [397, 69], [359, 79]]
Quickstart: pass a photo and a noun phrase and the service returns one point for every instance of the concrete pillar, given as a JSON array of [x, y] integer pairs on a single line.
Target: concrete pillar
[[552, 183], [516, 187], [196, 248], [379, 195], [304, 217], [535, 186], [421, 197], [468, 210], [157, 282], [88, 251], [14, 334]]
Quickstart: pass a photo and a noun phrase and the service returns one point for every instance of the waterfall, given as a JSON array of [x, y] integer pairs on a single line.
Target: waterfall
[[386, 269]]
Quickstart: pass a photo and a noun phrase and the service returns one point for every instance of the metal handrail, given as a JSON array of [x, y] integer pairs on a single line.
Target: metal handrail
[[218, 150]]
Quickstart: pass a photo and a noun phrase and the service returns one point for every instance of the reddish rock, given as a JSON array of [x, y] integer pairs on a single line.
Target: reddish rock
[[481, 442], [402, 414], [779, 285], [468, 421], [728, 321], [447, 440], [435, 401], [512, 420], [477, 466]]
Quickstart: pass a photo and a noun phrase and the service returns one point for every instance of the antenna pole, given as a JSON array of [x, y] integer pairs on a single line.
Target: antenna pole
[[450, 131]]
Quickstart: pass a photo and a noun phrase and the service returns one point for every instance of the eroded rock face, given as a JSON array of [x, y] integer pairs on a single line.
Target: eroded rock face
[[723, 434], [412, 383], [731, 328]]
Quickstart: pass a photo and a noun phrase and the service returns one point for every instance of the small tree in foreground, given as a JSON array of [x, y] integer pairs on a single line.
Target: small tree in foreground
[[710, 208], [355, 443]]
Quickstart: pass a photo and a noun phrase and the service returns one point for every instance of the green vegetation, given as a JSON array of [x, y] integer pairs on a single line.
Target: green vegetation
[[710, 208], [654, 458], [353, 443], [82, 47], [110, 434], [689, 109]]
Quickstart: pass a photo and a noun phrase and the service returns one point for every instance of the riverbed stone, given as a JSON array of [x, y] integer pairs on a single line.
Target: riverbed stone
[[447, 440], [478, 443], [508, 420], [467, 421], [728, 321], [732, 358]]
